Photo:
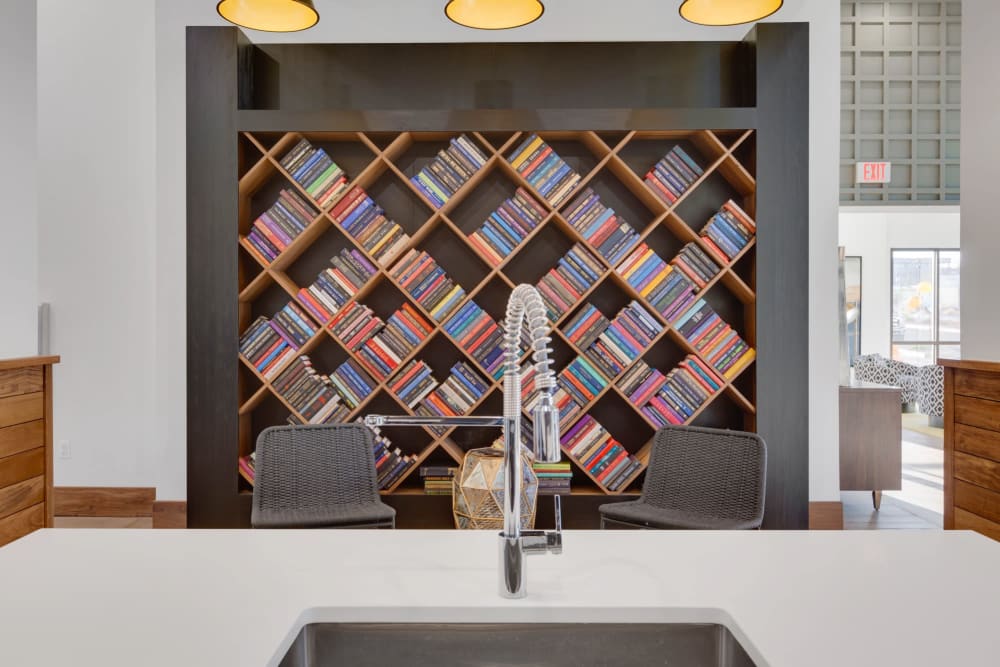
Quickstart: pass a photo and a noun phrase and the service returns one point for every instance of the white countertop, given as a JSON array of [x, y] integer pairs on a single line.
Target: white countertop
[[163, 597]]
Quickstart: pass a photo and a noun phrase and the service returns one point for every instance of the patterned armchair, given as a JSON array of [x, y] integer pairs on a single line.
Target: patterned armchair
[[931, 398], [877, 369]]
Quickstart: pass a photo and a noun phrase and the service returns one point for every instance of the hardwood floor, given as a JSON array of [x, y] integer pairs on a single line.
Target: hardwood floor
[[919, 504]]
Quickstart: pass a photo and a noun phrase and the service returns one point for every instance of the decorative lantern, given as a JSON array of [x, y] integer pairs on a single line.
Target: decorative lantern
[[477, 496]]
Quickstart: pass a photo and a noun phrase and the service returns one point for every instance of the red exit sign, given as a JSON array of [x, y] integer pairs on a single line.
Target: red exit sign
[[872, 172]]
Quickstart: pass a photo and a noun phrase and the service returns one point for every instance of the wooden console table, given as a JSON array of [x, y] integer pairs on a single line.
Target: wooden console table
[[26, 501], [972, 446], [871, 439]]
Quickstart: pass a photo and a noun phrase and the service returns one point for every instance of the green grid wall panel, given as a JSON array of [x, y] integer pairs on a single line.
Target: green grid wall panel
[[900, 66]]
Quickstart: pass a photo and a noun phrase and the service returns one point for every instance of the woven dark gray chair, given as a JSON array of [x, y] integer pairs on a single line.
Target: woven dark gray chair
[[698, 478], [316, 477]]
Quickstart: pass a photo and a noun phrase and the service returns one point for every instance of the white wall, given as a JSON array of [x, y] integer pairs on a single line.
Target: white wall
[[138, 315], [980, 147], [96, 157], [18, 181], [872, 233]]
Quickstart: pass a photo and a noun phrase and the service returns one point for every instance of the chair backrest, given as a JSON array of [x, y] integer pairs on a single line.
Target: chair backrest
[[302, 470], [707, 471], [931, 396]]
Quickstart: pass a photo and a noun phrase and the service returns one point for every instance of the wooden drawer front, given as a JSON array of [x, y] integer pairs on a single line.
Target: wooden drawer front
[[969, 521], [981, 472], [21, 408], [21, 381], [980, 385], [978, 501], [22, 437], [21, 523], [17, 468], [977, 412], [977, 441], [19, 496]]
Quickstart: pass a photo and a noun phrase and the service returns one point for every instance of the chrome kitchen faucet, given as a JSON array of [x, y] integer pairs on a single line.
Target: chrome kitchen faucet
[[525, 310]]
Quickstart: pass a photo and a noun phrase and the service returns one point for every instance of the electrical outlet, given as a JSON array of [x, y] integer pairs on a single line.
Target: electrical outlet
[[64, 450]]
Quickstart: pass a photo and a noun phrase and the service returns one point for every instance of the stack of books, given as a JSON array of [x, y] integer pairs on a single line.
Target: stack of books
[[586, 326], [544, 169], [355, 324], [383, 352], [563, 285], [268, 343], [610, 234], [246, 467], [336, 285], [507, 226], [442, 177], [316, 172], [682, 393], [408, 326], [478, 334], [352, 383], [716, 341], [279, 225], [438, 480], [594, 450], [669, 291], [425, 281], [696, 265], [582, 380], [641, 383], [673, 175], [367, 223], [391, 464], [455, 396], [728, 232], [413, 383], [553, 478], [624, 339], [309, 393]]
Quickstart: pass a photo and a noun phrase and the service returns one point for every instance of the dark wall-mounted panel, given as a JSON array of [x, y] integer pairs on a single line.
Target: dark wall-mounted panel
[[299, 77]]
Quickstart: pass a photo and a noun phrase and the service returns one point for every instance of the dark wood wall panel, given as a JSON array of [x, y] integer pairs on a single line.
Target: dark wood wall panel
[[783, 268], [212, 374]]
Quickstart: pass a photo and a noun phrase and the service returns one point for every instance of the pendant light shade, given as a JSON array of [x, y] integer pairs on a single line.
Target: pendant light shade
[[494, 14], [269, 15], [728, 12]]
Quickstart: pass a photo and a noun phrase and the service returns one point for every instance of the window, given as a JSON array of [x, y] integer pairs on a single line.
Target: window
[[925, 306]]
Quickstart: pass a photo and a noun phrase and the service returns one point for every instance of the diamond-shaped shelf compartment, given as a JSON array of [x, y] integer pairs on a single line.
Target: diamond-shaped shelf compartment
[[439, 167], [619, 220], [439, 271], [501, 217], [555, 165]]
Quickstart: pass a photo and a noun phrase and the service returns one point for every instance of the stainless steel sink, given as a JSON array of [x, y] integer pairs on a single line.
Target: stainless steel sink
[[516, 644]]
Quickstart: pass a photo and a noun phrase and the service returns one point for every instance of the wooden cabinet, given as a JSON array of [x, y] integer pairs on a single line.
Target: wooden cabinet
[[972, 446], [26, 501], [871, 439]]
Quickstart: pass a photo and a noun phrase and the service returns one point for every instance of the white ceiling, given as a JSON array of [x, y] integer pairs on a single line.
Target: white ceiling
[[390, 21]]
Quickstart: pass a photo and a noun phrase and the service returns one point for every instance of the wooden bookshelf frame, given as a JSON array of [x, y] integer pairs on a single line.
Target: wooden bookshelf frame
[[611, 159], [735, 153]]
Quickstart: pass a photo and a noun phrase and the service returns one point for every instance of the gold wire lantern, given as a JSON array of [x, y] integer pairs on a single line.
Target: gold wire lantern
[[477, 493]]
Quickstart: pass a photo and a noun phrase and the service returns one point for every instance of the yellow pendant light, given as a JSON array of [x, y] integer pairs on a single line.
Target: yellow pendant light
[[494, 14], [269, 15], [728, 12]]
